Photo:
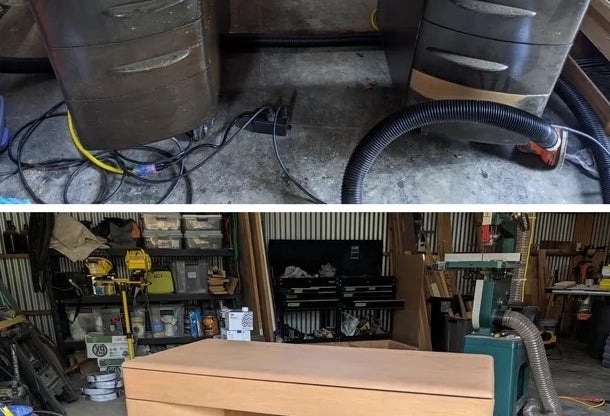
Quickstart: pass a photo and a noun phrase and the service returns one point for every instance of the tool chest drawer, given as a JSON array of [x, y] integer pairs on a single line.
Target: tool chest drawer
[[309, 304], [363, 288], [372, 303], [486, 64], [70, 23], [307, 283], [552, 22], [132, 67]]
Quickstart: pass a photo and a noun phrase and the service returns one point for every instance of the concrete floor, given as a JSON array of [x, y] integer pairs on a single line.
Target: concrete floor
[[576, 374], [333, 107]]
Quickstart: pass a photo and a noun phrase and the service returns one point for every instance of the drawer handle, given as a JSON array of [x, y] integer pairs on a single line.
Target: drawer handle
[[154, 63], [486, 7], [141, 8], [468, 62]]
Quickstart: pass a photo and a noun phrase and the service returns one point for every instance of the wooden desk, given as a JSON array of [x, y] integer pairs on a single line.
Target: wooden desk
[[224, 378]]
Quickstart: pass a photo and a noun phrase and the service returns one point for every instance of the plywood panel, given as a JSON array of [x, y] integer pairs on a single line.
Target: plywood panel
[[595, 27], [358, 368], [247, 270], [410, 275], [296, 400], [262, 273], [148, 408]]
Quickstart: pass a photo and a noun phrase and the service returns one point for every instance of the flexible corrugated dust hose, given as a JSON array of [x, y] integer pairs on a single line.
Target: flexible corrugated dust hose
[[539, 366], [434, 112]]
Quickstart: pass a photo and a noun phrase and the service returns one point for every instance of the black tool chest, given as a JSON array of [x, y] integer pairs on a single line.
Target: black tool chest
[[331, 297]]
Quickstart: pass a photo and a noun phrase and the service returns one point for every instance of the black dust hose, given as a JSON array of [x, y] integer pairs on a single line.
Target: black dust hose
[[590, 124], [25, 65], [246, 41], [435, 112]]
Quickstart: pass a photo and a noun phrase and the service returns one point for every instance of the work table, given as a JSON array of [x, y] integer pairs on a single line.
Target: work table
[[217, 377]]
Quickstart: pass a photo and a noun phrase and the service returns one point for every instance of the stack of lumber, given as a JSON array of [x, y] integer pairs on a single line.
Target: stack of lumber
[[411, 324], [589, 63], [596, 25], [254, 274], [220, 284], [438, 284]]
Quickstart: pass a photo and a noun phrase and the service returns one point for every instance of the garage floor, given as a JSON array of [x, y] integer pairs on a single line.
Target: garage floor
[[576, 374], [337, 97]]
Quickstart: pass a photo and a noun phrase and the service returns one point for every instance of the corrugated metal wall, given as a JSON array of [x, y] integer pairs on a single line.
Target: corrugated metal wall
[[555, 227], [342, 226], [549, 226], [15, 273], [601, 230]]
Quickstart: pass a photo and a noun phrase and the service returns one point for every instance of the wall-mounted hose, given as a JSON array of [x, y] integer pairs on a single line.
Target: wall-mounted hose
[[591, 125], [433, 112], [539, 365]]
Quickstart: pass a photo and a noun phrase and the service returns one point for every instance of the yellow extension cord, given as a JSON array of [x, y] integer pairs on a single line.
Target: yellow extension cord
[[374, 20], [87, 153], [583, 403], [5, 411]]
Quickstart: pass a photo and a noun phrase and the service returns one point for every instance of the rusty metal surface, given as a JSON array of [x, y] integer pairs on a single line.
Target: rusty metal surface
[[135, 72], [487, 64], [122, 122], [131, 67], [68, 23], [551, 22]]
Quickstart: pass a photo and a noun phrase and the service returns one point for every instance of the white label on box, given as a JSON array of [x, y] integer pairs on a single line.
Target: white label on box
[[239, 320], [191, 275], [235, 335], [107, 350]]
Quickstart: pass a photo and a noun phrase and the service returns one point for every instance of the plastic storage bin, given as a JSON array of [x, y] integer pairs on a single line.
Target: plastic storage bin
[[86, 320], [162, 239], [167, 314], [161, 221], [201, 222], [205, 240], [190, 276]]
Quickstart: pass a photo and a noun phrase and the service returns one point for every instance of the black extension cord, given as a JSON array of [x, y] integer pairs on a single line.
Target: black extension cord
[[264, 120]]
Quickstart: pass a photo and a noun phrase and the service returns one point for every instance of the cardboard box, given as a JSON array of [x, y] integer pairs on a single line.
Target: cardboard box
[[239, 320], [111, 364], [106, 346], [234, 335], [88, 366]]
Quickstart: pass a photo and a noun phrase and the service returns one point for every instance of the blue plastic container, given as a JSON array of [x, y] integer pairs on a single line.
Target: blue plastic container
[[20, 410]]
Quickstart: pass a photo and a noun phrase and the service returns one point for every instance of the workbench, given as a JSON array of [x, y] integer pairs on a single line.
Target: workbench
[[215, 377], [578, 290]]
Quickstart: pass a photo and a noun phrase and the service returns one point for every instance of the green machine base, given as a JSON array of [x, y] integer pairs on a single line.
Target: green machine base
[[510, 370]]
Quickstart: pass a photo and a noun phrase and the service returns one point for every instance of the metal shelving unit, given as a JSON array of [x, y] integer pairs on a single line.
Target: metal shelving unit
[[229, 260]]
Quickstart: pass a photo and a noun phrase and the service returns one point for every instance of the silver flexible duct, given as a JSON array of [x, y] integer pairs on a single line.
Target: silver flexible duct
[[516, 284], [539, 365]]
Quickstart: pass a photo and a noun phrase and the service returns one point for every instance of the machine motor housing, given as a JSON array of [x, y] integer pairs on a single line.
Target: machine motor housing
[[134, 72], [506, 51]]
